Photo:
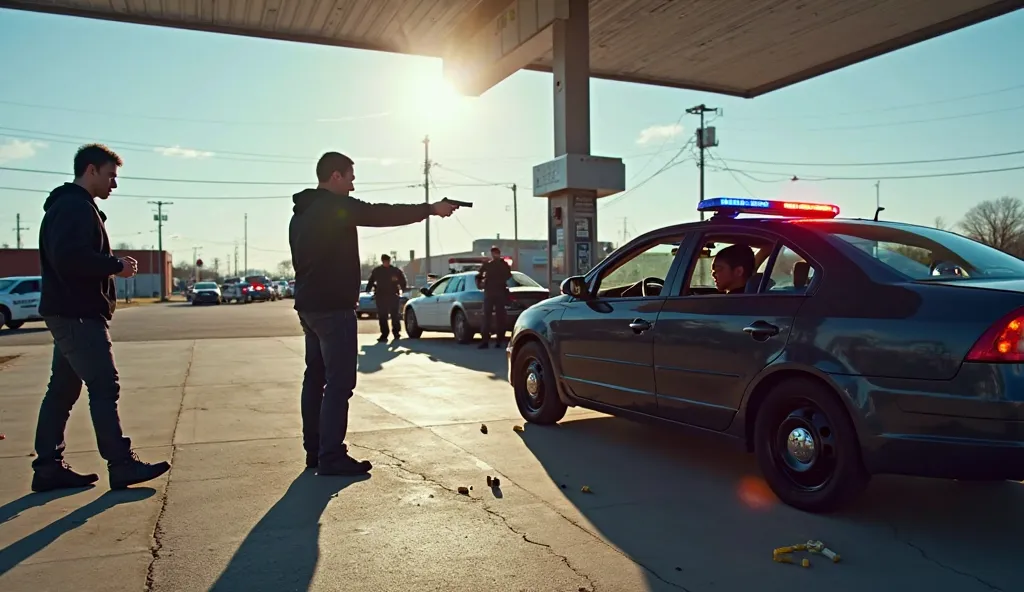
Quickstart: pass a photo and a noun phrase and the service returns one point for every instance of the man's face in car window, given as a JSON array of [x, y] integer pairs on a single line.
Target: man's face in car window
[[728, 278]]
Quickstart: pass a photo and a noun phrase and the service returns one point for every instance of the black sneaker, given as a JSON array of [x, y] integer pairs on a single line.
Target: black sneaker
[[133, 471], [59, 475], [382, 339], [346, 466], [396, 335], [312, 460]]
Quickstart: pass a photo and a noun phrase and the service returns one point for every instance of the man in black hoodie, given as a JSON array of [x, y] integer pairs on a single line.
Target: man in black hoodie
[[77, 304], [325, 255]]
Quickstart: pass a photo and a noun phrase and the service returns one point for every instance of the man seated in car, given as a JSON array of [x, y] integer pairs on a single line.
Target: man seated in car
[[732, 268]]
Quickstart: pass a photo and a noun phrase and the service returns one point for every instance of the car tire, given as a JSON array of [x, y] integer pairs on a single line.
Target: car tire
[[460, 327], [412, 326], [824, 476], [533, 382], [5, 317]]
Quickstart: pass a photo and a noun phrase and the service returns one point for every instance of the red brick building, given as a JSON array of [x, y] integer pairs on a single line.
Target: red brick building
[[145, 284]]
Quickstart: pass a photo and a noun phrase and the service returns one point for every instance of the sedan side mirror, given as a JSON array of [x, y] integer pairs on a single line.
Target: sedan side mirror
[[575, 286], [425, 291]]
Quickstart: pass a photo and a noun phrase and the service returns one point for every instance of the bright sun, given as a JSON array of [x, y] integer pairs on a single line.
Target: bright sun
[[437, 104]]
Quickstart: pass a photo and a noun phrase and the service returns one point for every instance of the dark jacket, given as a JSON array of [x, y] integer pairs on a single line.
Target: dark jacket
[[493, 277], [325, 245], [78, 267], [386, 283]]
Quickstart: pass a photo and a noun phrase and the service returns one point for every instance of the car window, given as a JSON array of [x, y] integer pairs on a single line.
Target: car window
[[439, 287], [6, 285], [26, 287], [921, 253], [790, 273], [456, 285], [206, 286], [717, 270], [651, 260], [521, 279], [363, 285]]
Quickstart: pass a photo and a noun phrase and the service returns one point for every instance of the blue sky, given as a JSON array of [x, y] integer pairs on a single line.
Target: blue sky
[[189, 105]]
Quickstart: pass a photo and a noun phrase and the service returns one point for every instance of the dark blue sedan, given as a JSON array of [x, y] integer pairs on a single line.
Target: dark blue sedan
[[833, 349]]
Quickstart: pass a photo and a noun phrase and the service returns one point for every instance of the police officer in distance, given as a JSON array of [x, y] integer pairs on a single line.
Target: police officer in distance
[[387, 284], [493, 279]]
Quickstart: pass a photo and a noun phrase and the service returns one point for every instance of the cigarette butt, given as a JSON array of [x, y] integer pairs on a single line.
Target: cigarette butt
[[495, 482], [805, 562], [483, 428], [517, 428], [489, 481], [585, 489], [830, 554], [782, 550], [464, 490], [782, 558]]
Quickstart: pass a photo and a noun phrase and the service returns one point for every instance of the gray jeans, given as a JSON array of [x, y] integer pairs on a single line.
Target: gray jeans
[[82, 352], [332, 349]]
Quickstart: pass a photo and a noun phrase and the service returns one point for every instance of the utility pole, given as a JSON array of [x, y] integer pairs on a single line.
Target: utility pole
[[160, 218], [236, 257], [17, 230], [878, 199], [705, 139], [195, 259], [515, 225], [245, 259], [625, 230], [426, 193]]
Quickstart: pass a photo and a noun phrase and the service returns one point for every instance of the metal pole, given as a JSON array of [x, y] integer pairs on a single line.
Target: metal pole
[[426, 194], [515, 226], [245, 256]]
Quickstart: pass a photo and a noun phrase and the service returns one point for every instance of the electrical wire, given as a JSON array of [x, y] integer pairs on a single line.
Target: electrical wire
[[880, 163], [732, 174], [198, 181], [672, 163], [206, 198], [816, 178]]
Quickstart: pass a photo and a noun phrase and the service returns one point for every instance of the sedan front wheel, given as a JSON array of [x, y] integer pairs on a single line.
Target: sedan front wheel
[[533, 381]]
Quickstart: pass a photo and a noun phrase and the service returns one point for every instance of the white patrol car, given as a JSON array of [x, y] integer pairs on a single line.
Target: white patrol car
[[19, 300]]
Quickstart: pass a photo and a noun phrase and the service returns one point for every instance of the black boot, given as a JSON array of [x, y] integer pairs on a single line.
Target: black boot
[[59, 475], [133, 471], [345, 466]]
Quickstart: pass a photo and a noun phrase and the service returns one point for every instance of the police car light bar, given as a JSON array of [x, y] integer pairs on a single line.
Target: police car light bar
[[731, 206]]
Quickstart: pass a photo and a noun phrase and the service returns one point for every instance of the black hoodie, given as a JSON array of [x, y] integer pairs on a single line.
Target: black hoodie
[[325, 245], [78, 267]]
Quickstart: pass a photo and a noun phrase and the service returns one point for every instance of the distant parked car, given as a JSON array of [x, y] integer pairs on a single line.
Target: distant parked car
[[19, 300], [206, 293]]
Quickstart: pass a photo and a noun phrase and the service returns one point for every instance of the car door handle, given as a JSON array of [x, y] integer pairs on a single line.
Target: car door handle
[[639, 325], [761, 330]]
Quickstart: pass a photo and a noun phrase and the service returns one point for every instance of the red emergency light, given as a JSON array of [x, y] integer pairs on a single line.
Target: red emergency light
[[792, 209]]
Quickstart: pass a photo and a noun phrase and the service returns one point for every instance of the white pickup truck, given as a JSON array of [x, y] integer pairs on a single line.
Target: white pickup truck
[[19, 300]]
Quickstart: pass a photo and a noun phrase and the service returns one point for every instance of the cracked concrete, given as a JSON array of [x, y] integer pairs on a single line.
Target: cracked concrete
[[238, 512]]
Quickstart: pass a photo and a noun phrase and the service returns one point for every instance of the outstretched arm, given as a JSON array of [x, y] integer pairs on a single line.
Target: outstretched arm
[[374, 214]]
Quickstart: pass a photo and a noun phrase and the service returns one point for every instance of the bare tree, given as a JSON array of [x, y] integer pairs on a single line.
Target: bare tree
[[284, 269], [940, 223], [123, 246], [998, 223]]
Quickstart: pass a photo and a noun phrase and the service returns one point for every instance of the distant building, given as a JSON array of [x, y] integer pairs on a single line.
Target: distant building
[[144, 285], [532, 259]]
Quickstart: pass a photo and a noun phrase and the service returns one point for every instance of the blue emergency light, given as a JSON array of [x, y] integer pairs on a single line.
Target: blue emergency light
[[731, 206]]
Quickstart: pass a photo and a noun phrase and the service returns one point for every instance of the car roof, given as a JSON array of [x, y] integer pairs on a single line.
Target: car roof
[[779, 223]]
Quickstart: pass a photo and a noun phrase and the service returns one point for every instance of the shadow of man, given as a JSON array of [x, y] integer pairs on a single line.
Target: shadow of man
[[282, 551], [19, 551], [373, 357]]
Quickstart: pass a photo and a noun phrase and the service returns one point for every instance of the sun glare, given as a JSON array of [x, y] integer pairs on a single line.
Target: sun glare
[[438, 105]]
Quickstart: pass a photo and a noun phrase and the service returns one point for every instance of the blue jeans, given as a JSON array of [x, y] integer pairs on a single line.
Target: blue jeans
[[332, 349], [82, 352]]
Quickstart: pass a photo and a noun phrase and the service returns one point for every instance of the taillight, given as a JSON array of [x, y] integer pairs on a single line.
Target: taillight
[[1003, 342]]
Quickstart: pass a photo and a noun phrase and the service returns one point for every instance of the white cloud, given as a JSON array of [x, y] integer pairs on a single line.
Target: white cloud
[[659, 133], [19, 149], [179, 152]]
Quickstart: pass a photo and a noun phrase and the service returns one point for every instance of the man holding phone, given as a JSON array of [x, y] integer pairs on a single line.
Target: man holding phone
[[77, 303]]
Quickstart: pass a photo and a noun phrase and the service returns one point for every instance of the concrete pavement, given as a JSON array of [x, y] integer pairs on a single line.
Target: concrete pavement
[[238, 512]]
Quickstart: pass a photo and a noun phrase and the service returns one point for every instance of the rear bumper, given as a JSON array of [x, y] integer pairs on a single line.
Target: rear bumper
[[970, 427]]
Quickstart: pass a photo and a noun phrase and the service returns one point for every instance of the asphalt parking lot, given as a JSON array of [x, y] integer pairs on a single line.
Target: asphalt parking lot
[[664, 511], [181, 320]]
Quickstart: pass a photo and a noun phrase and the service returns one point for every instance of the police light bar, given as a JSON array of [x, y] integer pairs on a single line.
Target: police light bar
[[730, 206]]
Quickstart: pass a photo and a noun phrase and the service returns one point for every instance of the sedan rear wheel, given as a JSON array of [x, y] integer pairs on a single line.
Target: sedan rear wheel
[[807, 447], [412, 328], [534, 384]]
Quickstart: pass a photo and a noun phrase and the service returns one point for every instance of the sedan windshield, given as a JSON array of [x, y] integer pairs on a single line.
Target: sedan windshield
[[521, 279], [6, 285], [206, 286], [922, 253]]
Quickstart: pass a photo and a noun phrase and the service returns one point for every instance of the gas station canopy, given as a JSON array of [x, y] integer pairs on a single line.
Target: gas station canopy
[[736, 47]]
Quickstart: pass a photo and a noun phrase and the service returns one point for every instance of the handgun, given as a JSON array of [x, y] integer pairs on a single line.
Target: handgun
[[461, 204]]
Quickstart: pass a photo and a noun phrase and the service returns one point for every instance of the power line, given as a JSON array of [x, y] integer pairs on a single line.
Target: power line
[[815, 178], [211, 197], [672, 163], [881, 163], [208, 181], [732, 174], [902, 106], [913, 121]]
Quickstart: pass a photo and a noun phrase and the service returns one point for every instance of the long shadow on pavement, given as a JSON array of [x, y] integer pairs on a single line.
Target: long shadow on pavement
[[15, 553], [446, 349], [372, 357], [282, 551], [693, 511]]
